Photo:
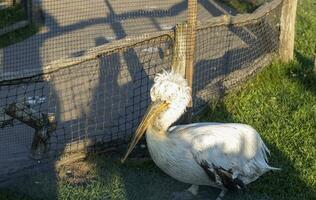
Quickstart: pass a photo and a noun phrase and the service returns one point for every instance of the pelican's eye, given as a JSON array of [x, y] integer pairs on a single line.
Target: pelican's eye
[[179, 89]]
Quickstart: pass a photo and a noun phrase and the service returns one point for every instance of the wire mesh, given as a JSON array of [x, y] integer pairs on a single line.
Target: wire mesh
[[98, 89], [227, 54], [98, 100]]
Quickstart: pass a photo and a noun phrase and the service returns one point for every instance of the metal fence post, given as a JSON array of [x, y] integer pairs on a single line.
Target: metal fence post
[[190, 47], [288, 17]]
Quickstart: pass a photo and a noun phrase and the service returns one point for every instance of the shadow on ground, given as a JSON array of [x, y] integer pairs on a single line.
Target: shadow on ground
[[102, 176], [303, 72]]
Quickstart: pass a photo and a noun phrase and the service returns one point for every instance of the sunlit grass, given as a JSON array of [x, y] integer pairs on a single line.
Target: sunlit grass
[[281, 104]]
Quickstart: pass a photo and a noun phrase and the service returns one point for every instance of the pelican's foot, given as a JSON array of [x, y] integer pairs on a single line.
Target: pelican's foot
[[189, 194], [221, 195]]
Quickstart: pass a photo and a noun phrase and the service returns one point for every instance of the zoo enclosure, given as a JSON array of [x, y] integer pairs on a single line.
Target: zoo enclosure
[[78, 84]]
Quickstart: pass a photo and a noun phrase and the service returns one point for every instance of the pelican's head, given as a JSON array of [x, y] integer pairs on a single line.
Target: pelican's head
[[170, 96], [170, 87]]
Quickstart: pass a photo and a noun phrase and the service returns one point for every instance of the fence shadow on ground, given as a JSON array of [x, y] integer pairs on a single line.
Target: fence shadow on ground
[[92, 98], [141, 179]]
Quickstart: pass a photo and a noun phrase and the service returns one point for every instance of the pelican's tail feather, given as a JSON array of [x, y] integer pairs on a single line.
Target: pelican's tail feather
[[265, 152], [274, 168]]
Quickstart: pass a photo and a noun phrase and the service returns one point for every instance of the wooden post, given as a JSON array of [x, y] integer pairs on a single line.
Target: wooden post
[[190, 47], [179, 49], [287, 34]]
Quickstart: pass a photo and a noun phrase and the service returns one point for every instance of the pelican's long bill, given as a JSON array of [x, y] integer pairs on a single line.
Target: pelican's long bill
[[153, 111]]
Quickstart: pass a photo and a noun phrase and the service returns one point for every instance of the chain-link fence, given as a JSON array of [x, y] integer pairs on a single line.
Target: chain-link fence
[[84, 78]]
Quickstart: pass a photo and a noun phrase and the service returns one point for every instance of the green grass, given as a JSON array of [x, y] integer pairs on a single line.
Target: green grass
[[102, 179], [18, 35], [280, 103], [8, 17], [11, 15]]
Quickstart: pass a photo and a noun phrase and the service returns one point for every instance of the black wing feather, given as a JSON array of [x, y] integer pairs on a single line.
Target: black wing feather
[[206, 167], [225, 176], [227, 179]]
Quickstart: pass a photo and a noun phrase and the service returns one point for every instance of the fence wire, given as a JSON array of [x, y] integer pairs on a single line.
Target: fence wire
[[227, 55], [99, 100], [98, 89]]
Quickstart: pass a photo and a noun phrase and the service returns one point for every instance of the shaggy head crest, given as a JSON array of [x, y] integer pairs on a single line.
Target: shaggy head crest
[[170, 87]]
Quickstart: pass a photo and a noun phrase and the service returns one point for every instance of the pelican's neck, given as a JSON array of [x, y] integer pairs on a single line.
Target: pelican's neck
[[162, 123]]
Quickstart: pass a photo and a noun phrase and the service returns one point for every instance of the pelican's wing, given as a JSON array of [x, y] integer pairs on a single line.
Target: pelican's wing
[[231, 154]]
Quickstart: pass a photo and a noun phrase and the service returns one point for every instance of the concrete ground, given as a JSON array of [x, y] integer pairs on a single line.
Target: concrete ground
[[73, 26]]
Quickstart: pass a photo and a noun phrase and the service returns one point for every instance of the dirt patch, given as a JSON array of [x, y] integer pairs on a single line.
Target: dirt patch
[[76, 170], [80, 168]]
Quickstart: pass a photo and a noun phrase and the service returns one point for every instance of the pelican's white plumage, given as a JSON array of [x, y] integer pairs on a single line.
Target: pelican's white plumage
[[224, 155]]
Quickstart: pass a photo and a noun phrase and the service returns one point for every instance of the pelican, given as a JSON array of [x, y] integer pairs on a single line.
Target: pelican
[[223, 155]]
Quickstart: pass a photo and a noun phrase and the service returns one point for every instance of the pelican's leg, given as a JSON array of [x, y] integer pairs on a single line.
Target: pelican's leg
[[222, 194], [189, 194], [194, 189]]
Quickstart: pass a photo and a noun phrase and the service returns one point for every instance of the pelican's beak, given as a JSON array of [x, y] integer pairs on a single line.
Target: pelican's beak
[[153, 111]]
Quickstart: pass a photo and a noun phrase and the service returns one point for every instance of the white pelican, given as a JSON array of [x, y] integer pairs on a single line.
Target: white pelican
[[222, 155]]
